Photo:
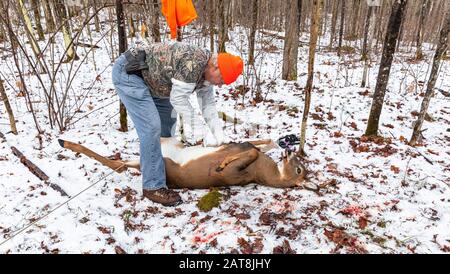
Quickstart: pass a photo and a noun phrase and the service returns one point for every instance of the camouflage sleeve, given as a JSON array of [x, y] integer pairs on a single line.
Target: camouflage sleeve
[[191, 64], [189, 71]]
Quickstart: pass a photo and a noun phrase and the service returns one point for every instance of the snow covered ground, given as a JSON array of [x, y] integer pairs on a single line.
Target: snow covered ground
[[376, 196]]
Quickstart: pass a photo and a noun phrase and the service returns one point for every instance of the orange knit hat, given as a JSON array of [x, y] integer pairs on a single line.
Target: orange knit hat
[[230, 67]]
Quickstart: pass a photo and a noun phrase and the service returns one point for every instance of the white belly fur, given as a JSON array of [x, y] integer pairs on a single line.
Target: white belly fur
[[172, 149]]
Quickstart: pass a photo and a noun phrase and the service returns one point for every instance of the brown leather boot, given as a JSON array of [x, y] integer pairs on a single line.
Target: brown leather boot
[[164, 196]]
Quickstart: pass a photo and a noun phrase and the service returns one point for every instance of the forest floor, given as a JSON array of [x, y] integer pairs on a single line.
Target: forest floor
[[376, 196]]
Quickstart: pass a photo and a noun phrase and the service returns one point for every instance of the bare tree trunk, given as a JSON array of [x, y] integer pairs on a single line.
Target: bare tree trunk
[[23, 14], [291, 40], [354, 29], [132, 26], [440, 52], [251, 50], [144, 28], [14, 46], [37, 18], [222, 26], [315, 16], [379, 25], [96, 19], [61, 11], [212, 15], [365, 51], [4, 97], [402, 28], [341, 27], [2, 33], [419, 37], [385, 65], [50, 22], [333, 23], [122, 48], [179, 34], [155, 22]]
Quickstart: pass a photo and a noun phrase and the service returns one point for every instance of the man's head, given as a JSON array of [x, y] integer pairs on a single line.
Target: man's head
[[223, 68]]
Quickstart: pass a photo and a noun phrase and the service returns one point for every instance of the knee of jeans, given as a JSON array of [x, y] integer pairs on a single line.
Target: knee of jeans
[[151, 130]]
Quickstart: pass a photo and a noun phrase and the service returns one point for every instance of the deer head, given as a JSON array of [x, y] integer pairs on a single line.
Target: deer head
[[293, 171]]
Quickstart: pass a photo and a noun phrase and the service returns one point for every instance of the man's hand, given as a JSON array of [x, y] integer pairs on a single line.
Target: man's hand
[[209, 140], [219, 135]]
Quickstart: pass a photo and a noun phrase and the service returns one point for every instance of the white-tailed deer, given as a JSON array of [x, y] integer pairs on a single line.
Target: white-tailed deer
[[204, 167]]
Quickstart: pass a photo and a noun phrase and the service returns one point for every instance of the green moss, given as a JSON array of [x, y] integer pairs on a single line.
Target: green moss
[[381, 224], [379, 240], [210, 200]]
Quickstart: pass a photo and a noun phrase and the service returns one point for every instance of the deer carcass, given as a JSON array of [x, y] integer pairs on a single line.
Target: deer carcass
[[199, 167]]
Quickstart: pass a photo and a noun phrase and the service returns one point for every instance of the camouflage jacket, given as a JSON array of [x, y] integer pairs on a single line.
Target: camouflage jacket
[[176, 60]]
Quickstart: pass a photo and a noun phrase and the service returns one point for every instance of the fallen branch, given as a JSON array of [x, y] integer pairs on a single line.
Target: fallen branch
[[80, 44], [36, 171], [428, 160]]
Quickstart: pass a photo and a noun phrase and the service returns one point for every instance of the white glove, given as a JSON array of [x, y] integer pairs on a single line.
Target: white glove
[[217, 130], [179, 98], [205, 97], [209, 140]]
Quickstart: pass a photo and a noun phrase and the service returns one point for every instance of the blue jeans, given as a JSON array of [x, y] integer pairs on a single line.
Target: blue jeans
[[167, 115], [135, 95]]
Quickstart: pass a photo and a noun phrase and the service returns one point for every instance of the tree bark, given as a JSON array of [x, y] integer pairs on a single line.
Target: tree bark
[[291, 40], [4, 97], [309, 83], [132, 26], [440, 52], [156, 34], [212, 15], [37, 18], [341, 27], [419, 36], [222, 26], [122, 48], [50, 22], [96, 19], [5, 18], [355, 23], [61, 11], [333, 23], [22, 10], [251, 50], [366, 46], [392, 33]]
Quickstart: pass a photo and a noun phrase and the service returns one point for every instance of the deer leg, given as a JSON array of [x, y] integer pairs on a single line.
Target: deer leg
[[261, 142], [240, 161], [118, 166]]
